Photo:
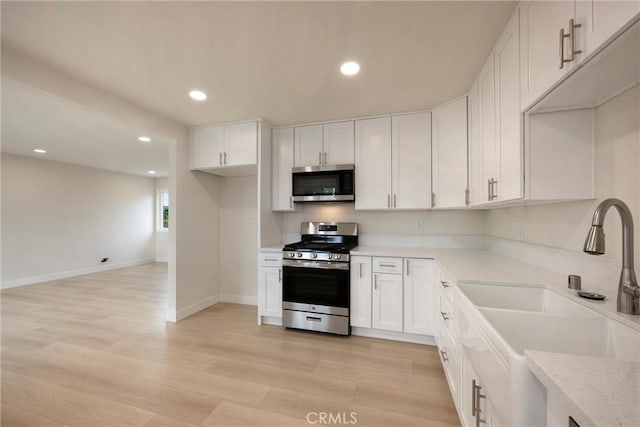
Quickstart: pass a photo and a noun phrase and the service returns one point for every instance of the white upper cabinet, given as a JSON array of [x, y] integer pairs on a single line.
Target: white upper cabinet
[[411, 161], [508, 116], [328, 144], [450, 154], [240, 142], [373, 163], [601, 19], [338, 143], [487, 123], [308, 146], [281, 164], [475, 149], [541, 48], [207, 145], [228, 149]]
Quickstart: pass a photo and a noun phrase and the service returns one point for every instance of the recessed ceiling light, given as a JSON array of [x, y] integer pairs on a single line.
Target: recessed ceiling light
[[40, 150], [350, 68], [144, 139], [151, 172], [198, 95]]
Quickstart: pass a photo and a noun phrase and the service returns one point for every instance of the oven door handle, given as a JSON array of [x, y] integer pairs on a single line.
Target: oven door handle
[[323, 265]]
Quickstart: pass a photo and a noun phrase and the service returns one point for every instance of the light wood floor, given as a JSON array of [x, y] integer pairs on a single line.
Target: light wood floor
[[95, 351]]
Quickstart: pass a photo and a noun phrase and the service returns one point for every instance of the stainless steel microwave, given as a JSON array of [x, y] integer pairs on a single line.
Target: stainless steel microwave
[[332, 183]]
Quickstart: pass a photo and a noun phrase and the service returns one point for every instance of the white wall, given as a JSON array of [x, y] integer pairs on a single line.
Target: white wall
[[162, 237], [238, 240], [565, 225], [59, 219]]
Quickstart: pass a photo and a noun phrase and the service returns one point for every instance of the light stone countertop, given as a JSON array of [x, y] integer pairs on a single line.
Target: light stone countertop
[[271, 249], [597, 392]]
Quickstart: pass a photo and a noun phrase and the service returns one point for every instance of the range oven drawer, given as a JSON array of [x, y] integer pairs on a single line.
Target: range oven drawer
[[316, 322]]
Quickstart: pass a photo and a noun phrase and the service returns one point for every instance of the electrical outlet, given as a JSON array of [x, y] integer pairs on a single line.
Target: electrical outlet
[[104, 260], [420, 225]]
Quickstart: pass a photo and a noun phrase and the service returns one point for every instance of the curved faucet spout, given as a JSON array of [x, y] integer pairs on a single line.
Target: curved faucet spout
[[628, 291]]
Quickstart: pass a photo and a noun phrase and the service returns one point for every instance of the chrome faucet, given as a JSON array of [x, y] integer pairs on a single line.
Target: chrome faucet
[[628, 290]]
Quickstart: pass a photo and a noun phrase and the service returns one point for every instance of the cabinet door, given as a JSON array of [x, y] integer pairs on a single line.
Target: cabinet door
[[241, 142], [373, 163], [450, 154], [508, 116], [486, 94], [270, 291], [484, 409], [208, 146], [281, 163], [476, 185], [600, 19], [360, 312], [338, 143], [541, 22], [419, 296], [308, 146], [387, 302], [411, 161]]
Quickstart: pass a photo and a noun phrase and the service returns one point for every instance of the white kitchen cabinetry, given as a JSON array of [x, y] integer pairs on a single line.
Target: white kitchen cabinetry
[[324, 144], [450, 150], [225, 149], [387, 302], [601, 19], [476, 407], [373, 163], [338, 143], [393, 162], [419, 293], [281, 165], [476, 192], [541, 22], [360, 310], [270, 287]]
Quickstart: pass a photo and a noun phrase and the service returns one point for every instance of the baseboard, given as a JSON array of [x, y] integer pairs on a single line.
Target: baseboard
[[72, 273], [394, 336], [175, 316], [238, 299]]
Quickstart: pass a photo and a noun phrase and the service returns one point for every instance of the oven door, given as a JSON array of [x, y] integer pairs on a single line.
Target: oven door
[[323, 184], [320, 287]]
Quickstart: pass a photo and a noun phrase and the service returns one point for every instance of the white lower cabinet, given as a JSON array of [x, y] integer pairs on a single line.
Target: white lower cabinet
[[269, 286], [393, 294], [360, 312], [476, 407]]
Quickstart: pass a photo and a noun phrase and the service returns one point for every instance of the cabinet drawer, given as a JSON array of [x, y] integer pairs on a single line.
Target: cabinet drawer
[[445, 285], [387, 265], [450, 357], [270, 259]]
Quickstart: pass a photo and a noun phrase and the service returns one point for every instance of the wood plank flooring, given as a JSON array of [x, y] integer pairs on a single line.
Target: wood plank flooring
[[95, 350]]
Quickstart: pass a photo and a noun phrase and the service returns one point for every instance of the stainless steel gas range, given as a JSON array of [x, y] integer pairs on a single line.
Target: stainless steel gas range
[[316, 278]]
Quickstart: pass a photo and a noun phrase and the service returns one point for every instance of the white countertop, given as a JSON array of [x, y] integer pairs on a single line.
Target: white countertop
[[271, 249], [600, 392]]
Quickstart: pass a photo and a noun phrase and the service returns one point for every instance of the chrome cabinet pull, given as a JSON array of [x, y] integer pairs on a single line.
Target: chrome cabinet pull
[[473, 398], [279, 275], [388, 200], [375, 282], [444, 355], [325, 157], [220, 158], [562, 37], [478, 396], [394, 201], [314, 319], [290, 202], [225, 157], [320, 157], [572, 32], [387, 265], [271, 259], [494, 189], [407, 267], [433, 200], [488, 190], [360, 270], [466, 197], [444, 315]]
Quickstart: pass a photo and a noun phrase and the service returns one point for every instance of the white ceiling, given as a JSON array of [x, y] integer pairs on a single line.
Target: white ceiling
[[74, 134], [273, 60]]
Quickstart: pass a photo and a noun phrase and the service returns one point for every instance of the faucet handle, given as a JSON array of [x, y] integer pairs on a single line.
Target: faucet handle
[[575, 282]]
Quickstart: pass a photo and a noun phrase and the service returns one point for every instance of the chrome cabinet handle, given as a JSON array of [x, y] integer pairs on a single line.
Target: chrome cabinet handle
[[279, 275], [271, 259], [319, 157], [473, 398], [388, 200], [433, 200], [290, 202], [572, 32], [466, 197], [387, 265], [407, 267], [444, 355], [220, 158], [225, 157], [478, 396], [375, 282], [394, 201], [494, 189], [444, 283], [360, 270], [325, 157], [444, 315], [562, 37]]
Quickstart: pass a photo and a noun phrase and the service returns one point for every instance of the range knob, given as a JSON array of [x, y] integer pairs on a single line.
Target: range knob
[[314, 255], [299, 254], [337, 256], [292, 254], [330, 256]]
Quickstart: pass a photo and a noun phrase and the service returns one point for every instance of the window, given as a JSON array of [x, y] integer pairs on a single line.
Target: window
[[162, 219]]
